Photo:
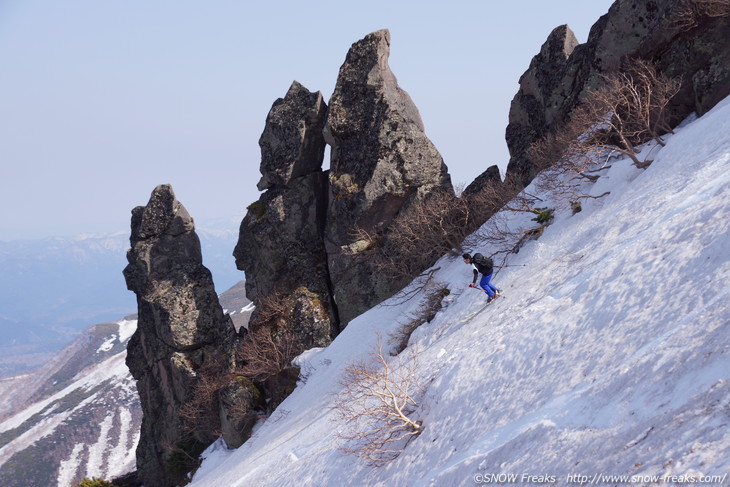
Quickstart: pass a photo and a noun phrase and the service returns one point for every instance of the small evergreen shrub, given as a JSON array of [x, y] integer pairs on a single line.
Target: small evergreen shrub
[[94, 482], [544, 215]]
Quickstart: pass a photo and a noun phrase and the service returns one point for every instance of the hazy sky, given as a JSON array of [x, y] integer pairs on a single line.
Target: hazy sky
[[100, 101]]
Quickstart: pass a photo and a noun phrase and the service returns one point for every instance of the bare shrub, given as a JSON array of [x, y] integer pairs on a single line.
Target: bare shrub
[[632, 107], [498, 234], [429, 229], [260, 355], [691, 13], [502, 234], [376, 405], [487, 201], [566, 164], [431, 304], [420, 283], [272, 309], [200, 411], [264, 352], [643, 97], [436, 226]]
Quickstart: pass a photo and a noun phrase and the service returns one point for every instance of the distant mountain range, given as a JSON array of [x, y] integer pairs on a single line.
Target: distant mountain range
[[52, 288]]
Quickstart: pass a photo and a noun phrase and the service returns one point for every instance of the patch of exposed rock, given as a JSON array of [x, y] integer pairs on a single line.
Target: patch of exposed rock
[[381, 164], [489, 177], [181, 329], [658, 31]]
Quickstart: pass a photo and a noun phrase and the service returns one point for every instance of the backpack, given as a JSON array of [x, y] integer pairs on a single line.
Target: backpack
[[481, 260]]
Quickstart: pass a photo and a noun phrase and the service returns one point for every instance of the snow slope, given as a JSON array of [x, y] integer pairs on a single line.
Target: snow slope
[[607, 356], [80, 417]]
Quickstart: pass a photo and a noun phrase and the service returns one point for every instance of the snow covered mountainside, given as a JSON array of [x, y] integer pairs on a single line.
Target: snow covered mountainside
[[77, 416], [607, 360]]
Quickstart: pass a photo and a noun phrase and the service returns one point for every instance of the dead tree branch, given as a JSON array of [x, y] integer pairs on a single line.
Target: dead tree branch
[[376, 407]]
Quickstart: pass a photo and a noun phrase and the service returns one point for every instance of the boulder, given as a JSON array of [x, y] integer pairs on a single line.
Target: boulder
[[237, 422], [381, 164]]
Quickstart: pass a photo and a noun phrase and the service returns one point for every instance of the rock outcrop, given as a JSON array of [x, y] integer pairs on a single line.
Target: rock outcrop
[[489, 177], [181, 329], [297, 242], [280, 246], [381, 164], [544, 87], [678, 36], [292, 144], [302, 243]]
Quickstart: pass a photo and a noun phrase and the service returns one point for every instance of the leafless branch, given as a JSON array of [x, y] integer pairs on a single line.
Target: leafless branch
[[435, 226], [430, 304], [691, 13], [376, 407], [264, 352], [632, 107]]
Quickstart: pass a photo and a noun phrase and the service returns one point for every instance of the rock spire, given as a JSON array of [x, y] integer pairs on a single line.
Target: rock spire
[[181, 328], [381, 164]]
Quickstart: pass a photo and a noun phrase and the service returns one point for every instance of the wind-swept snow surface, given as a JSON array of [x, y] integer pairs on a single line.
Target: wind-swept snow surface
[[606, 361]]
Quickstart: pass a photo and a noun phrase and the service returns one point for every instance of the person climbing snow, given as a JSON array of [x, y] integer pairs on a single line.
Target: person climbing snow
[[484, 266]]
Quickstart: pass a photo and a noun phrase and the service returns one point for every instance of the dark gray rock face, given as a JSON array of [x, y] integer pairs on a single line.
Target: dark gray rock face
[[297, 242], [292, 145], [563, 72], [381, 163], [281, 245], [539, 103], [656, 31], [490, 176], [181, 327]]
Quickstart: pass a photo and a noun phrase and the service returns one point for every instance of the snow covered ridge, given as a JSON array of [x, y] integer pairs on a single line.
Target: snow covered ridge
[[126, 330], [606, 360], [87, 420]]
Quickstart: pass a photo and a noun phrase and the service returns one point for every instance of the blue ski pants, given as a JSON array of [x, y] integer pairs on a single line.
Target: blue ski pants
[[487, 286]]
